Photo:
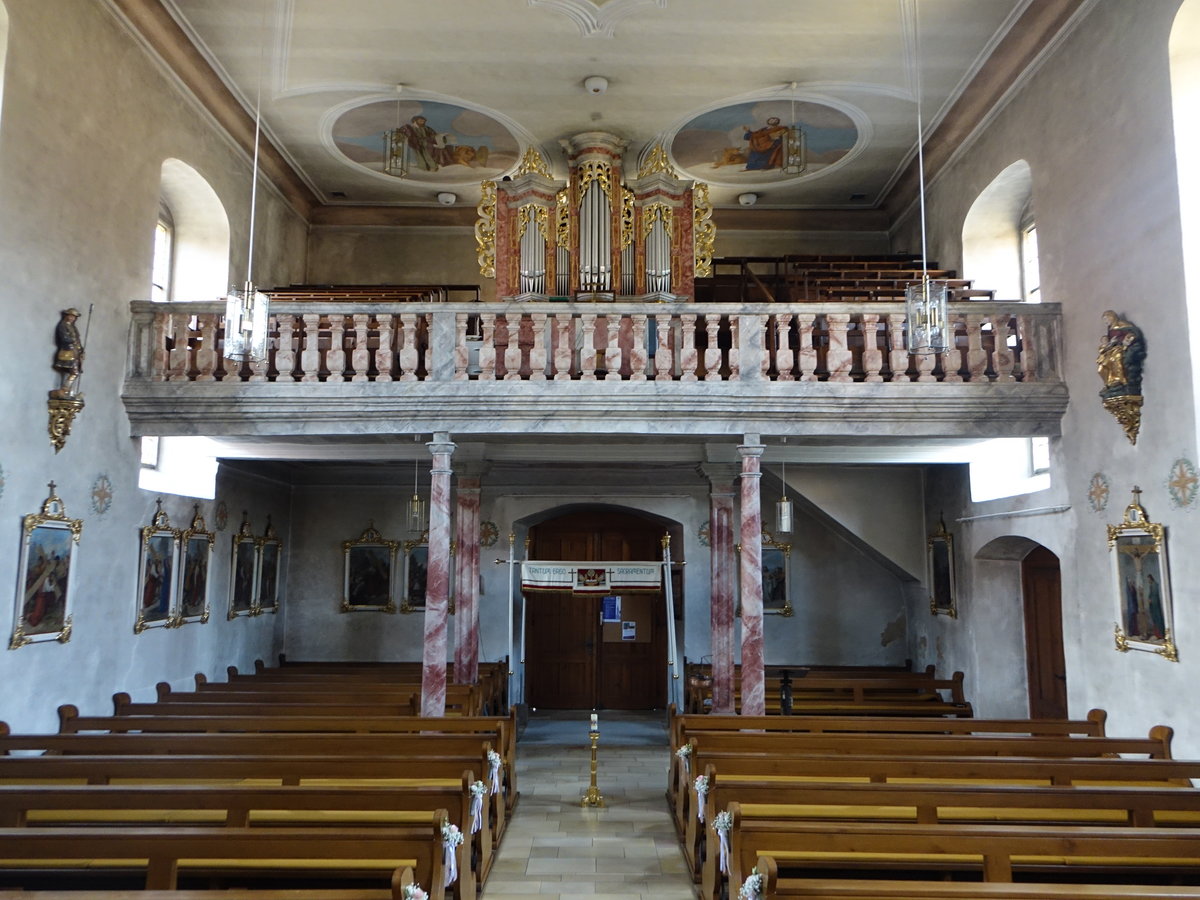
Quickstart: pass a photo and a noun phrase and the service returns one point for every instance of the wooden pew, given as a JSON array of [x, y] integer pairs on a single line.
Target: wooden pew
[[163, 853], [992, 851], [242, 806], [401, 879], [931, 803], [776, 888], [907, 686]]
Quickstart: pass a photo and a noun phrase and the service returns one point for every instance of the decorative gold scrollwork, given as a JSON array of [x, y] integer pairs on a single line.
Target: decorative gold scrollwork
[[598, 171], [656, 161], [534, 162], [485, 230], [562, 219], [627, 217], [704, 230], [657, 211]]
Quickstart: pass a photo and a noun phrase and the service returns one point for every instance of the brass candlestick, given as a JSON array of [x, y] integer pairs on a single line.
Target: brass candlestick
[[593, 797]]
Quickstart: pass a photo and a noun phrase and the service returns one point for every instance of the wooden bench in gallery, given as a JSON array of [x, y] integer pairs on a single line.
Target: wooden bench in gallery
[[776, 888], [939, 803], [161, 854], [906, 687], [993, 852], [242, 806]]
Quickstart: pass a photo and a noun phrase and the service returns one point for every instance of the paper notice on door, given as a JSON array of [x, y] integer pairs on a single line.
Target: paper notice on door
[[629, 631], [610, 609]]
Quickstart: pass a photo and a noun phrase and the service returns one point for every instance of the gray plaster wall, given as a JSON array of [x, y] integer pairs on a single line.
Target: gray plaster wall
[[87, 121], [1095, 125], [395, 255]]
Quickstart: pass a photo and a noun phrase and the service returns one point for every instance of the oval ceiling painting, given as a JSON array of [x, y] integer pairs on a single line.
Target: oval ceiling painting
[[743, 143], [441, 143]]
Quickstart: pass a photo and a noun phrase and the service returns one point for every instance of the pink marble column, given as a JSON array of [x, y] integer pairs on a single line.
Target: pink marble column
[[437, 583], [753, 694], [723, 567], [466, 579]]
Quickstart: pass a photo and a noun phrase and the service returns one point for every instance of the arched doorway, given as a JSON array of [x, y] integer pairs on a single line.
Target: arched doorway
[[1041, 586], [572, 659]]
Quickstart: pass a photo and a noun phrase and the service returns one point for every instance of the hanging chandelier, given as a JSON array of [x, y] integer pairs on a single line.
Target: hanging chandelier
[[783, 507], [795, 149], [418, 508], [247, 310], [925, 303], [395, 145]]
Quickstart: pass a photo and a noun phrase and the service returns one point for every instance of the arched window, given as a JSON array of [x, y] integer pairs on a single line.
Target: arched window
[[999, 238], [162, 271], [1184, 49], [198, 261]]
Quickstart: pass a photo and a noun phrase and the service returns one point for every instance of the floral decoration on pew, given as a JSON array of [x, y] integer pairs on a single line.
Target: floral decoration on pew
[[722, 825], [685, 753], [752, 887], [701, 793], [478, 789], [414, 892], [494, 762], [452, 838]]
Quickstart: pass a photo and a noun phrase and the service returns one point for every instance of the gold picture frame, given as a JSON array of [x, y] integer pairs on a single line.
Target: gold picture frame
[[196, 549], [45, 590], [1145, 617], [243, 573], [266, 590], [158, 573], [940, 570], [776, 563], [369, 572]]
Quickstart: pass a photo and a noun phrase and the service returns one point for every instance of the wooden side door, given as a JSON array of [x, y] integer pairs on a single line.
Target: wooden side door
[[560, 666], [1041, 584]]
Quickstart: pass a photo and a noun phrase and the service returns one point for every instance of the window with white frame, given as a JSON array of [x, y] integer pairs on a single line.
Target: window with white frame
[[1031, 279], [163, 267]]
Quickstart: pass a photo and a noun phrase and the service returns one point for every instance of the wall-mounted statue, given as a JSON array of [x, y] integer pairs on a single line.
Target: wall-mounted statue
[[66, 401], [1119, 362]]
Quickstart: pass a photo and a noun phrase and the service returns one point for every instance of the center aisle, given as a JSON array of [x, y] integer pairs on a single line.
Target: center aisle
[[555, 848]]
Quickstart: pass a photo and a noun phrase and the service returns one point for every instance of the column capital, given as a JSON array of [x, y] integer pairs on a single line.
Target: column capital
[[441, 443], [721, 476]]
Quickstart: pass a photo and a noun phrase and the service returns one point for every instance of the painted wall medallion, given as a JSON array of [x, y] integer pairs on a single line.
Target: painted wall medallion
[[743, 144], [222, 516], [1182, 483], [702, 533], [102, 494], [1099, 489], [489, 533], [441, 143]]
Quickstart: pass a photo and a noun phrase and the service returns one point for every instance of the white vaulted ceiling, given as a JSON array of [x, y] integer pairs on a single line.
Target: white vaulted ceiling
[[522, 63]]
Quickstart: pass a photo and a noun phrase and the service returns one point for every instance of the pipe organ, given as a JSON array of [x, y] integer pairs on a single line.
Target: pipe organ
[[596, 236]]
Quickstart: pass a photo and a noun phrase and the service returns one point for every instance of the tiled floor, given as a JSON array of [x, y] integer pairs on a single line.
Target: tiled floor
[[556, 848]]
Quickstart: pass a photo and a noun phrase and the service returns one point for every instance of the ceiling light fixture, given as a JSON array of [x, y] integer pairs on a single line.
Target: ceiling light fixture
[[925, 304], [783, 508], [446, 198], [795, 147], [395, 143], [595, 84], [747, 199], [247, 309], [418, 508]]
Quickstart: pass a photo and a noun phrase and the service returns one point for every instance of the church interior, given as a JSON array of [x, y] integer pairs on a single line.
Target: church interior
[[602, 356]]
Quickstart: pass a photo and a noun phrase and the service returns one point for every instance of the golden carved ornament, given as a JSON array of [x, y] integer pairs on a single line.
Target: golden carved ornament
[[485, 230], [534, 162], [627, 217], [562, 219], [539, 215], [657, 211], [656, 161], [1127, 410], [63, 411], [598, 171], [704, 230]]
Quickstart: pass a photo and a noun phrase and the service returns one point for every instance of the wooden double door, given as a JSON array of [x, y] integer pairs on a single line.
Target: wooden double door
[[572, 661]]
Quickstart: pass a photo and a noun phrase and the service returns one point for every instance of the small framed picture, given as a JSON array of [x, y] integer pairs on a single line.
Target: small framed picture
[[244, 571], [776, 576], [196, 547], [943, 600], [416, 571], [368, 581], [45, 588], [1145, 617], [269, 552], [157, 573]]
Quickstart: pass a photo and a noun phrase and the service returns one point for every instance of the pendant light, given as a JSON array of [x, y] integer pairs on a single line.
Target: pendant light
[[247, 309], [418, 508], [925, 304], [795, 150], [783, 507], [395, 144]]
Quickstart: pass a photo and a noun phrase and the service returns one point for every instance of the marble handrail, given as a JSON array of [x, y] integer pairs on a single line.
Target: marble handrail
[[312, 341]]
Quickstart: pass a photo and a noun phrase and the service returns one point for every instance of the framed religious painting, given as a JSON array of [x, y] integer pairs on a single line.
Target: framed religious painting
[[243, 575], [270, 550], [1145, 619], [158, 565], [776, 576], [416, 571], [939, 564], [196, 547], [45, 586], [369, 572]]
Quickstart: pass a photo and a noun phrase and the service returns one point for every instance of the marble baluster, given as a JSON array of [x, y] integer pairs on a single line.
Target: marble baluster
[[612, 349], [735, 356], [335, 356], [179, 359], [872, 356], [425, 352], [954, 360], [512, 350], [537, 353], [384, 359], [161, 329], [976, 355], [564, 341], [437, 580], [466, 574], [310, 355], [838, 358], [897, 354], [587, 356], [408, 351], [785, 356], [664, 358], [462, 354], [712, 353], [206, 353], [1002, 355], [487, 353], [689, 356], [723, 565], [1028, 351], [767, 333], [807, 351], [639, 359], [285, 353], [360, 356], [753, 687]]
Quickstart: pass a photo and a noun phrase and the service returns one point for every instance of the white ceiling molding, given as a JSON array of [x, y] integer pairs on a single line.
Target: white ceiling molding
[[594, 20]]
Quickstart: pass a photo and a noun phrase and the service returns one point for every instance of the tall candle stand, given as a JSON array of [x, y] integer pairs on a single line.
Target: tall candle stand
[[593, 797]]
